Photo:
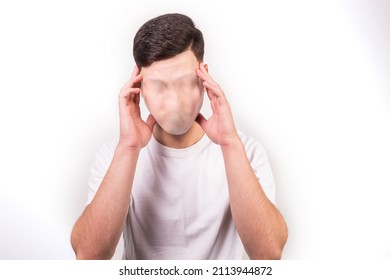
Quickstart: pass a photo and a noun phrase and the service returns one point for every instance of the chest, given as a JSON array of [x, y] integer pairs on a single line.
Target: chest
[[191, 183]]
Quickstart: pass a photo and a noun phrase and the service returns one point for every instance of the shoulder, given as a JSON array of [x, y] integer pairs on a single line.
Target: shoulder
[[258, 159], [252, 146], [109, 147], [106, 151]]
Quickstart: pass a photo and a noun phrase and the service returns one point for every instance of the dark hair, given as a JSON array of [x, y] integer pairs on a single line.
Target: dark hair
[[166, 36]]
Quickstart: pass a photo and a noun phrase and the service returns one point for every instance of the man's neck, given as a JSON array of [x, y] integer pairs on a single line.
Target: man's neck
[[193, 135]]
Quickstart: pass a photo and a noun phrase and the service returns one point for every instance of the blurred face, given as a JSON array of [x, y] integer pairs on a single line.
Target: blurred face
[[172, 92]]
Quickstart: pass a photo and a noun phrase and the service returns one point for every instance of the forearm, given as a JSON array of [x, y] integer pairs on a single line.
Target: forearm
[[97, 232], [259, 223]]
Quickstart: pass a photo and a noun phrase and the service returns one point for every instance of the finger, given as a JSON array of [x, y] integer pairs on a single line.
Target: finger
[[203, 76], [216, 98], [208, 82], [136, 81], [201, 120], [213, 88], [136, 99], [131, 98], [150, 121], [126, 92], [210, 95], [135, 72], [204, 70], [130, 86]]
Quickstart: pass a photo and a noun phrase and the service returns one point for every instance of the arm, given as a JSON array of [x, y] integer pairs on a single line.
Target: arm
[[97, 231], [259, 223]]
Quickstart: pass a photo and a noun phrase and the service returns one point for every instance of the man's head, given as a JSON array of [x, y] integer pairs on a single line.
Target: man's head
[[166, 36], [168, 50]]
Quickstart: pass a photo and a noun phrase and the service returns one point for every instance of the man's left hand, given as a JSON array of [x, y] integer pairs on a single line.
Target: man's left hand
[[220, 127]]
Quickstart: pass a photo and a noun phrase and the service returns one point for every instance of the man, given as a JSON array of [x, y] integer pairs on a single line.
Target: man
[[178, 186]]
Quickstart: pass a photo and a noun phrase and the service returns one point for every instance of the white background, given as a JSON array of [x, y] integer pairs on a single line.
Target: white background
[[308, 79]]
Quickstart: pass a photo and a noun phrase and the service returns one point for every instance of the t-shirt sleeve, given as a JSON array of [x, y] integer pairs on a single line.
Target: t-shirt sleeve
[[260, 164], [99, 168]]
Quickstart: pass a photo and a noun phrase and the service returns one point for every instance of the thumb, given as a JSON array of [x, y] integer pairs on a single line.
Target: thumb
[[201, 120], [150, 121]]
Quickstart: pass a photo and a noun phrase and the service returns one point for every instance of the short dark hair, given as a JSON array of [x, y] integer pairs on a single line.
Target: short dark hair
[[164, 37]]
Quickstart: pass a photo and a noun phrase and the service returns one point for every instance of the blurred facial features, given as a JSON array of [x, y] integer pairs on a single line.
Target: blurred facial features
[[172, 92]]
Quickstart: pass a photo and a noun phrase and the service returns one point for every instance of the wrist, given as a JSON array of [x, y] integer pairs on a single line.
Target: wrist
[[123, 147], [233, 143]]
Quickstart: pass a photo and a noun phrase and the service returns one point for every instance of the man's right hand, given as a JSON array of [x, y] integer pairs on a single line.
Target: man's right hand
[[96, 233], [134, 132]]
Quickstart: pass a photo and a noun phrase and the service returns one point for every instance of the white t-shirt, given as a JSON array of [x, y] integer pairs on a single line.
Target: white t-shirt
[[179, 206]]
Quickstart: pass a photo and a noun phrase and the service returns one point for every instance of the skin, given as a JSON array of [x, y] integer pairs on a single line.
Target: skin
[[173, 93], [260, 225]]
